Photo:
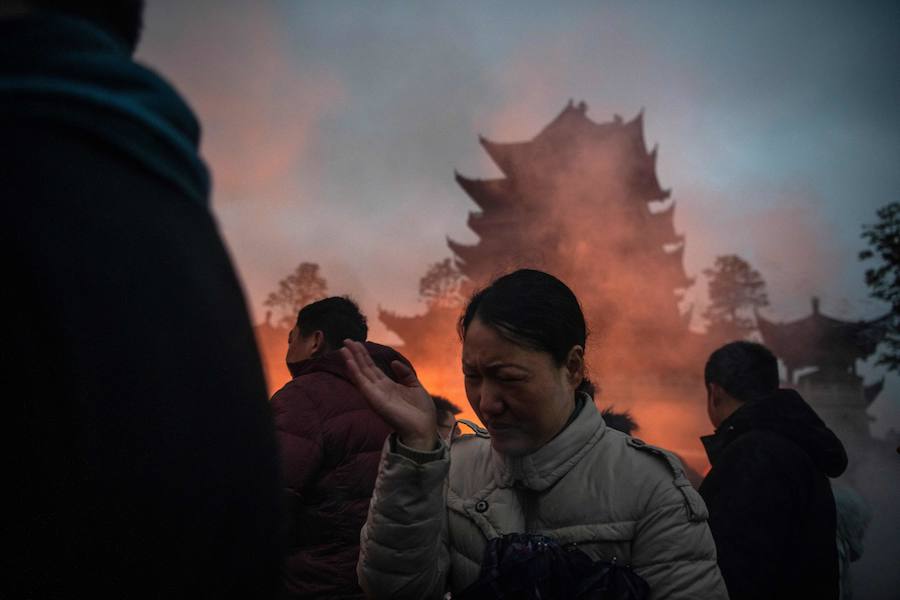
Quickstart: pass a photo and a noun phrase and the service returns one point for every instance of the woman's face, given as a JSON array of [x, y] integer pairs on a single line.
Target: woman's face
[[519, 394]]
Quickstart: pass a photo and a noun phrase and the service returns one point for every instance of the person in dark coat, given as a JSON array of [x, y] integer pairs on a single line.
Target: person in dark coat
[[150, 463], [330, 446], [771, 508]]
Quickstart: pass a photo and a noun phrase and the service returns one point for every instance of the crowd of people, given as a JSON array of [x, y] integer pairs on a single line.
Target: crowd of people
[[158, 467]]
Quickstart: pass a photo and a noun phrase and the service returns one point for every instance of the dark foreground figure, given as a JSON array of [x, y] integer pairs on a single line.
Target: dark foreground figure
[[771, 509], [151, 464], [330, 445]]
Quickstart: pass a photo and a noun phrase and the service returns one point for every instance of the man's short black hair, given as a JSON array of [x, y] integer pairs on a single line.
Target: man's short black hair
[[443, 406], [122, 18], [338, 318], [746, 370]]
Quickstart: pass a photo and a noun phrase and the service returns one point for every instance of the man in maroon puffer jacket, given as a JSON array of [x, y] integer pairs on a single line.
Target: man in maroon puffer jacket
[[330, 444]]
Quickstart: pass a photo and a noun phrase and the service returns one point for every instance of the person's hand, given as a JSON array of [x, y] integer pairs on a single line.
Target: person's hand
[[406, 406]]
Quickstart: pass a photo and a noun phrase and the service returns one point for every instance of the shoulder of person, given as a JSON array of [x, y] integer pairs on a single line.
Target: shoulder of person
[[473, 441], [309, 389], [762, 448], [674, 485], [470, 459]]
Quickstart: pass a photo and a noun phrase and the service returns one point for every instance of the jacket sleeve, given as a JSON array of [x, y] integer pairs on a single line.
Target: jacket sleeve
[[299, 431], [403, 545], [750, 516], [673, 549]]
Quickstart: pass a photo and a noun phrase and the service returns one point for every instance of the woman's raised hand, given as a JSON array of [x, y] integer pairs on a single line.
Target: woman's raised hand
[[406, 406]]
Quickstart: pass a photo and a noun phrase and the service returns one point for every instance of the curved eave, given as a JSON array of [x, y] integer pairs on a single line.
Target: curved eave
[[489, 194], [478, 224], [645, 179], [675, 263], [806, 341], [661, 226], [505, 156], [405, 327], [468, 255], [776, 337], [635, 131]]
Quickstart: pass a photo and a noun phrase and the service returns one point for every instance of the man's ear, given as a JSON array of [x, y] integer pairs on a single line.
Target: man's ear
[[318, 342], [575, 366], [715, 393]]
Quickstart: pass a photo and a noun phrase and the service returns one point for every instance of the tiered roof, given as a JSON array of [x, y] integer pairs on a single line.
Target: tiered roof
[[822, 341], [582, 201], [564, 134], [525, 193]]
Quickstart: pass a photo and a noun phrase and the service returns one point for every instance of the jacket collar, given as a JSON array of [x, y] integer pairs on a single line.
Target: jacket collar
[[733, 426], [540, 470]]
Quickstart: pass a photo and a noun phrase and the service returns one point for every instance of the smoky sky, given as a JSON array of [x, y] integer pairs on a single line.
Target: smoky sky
[[333, 129]]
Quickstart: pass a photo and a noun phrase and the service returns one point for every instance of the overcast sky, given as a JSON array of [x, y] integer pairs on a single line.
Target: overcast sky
[[333, 129]]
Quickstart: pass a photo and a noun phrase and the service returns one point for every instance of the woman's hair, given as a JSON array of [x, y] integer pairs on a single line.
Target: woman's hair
[[530, 308]]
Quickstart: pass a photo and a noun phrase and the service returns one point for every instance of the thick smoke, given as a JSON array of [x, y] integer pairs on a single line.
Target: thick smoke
[[578, 209]]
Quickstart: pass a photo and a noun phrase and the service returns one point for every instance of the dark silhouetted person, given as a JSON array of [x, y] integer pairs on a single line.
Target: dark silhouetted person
[[151, 463], [330, 444], [771, 509], [445, 413]]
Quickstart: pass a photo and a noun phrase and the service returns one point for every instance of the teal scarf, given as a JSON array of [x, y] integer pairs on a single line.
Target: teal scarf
[[65, 70]]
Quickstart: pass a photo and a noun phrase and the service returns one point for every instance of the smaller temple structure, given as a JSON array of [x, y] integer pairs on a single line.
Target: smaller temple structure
[[830, 345], [820, 353]]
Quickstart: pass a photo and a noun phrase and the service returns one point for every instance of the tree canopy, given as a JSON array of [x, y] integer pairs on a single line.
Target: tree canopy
[[441, 286], [883, 279], [735, 290], [299, 288]]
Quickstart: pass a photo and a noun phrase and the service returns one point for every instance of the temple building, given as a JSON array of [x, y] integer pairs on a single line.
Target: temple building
[[582, 201], [820, 355]]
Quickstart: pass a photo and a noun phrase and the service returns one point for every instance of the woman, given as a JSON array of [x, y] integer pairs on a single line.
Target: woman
[[546, 465]]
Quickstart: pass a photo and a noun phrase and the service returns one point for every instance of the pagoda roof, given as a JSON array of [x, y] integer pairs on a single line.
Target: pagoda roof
[[436, 319], [405, 327], [489, 194], [645, 180], [674, 264], [571, 125], [507, 156], [661, 226], [468, 254], [488, 224], [818, 339]]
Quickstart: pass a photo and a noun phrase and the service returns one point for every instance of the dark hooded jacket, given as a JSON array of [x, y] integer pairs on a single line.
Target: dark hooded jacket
[[330, 447], [150, 463], [771, 509]]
